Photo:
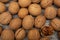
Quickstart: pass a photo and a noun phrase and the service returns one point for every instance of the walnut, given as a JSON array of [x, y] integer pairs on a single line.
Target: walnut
[[7, 34], [47, 30]]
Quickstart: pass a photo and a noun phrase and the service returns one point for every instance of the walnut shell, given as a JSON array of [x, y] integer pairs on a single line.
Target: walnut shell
[[24, 3], [28, 22], [20, 34], [47, 30], [2, 7], [23, 12], [7, 34], [0, 29], [33, 34], [50, 12], [5, 18], [35, 1], [46, 3], [57, 3], [40, 21], [15, 23], [45, 38], [34, 9], [55, 23], [13, 7], [58, 12], [4, 1]]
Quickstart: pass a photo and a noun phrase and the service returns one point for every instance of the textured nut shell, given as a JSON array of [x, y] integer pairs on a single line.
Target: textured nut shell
[[45, 38], [58, 12], [28, 22], [23, 12], [13, 7], [35, 1], [55, 23], [33, 34], [2, 7], [24, 3], [4, 1], [50, 12], [34, 9], [5, 18], [40, 21], [7, 34], [57, 3], [20, 34], [0, 29], [46, 3], [47, 30], [15, 23]]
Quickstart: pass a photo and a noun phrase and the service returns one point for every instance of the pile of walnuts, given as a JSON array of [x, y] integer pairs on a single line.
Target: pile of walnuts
[[31, 19]]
